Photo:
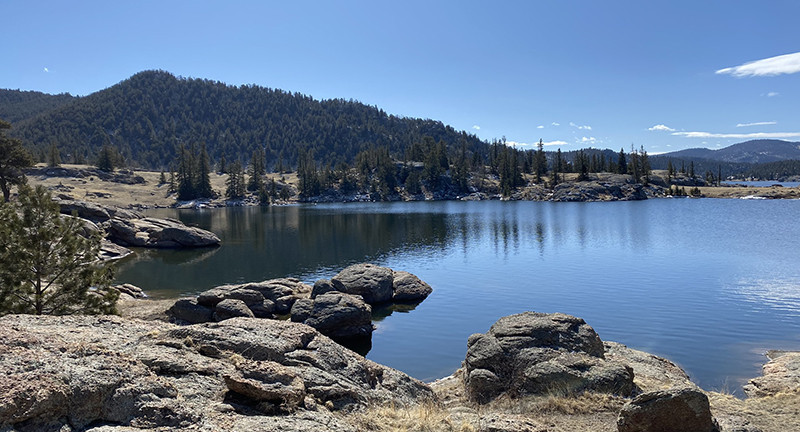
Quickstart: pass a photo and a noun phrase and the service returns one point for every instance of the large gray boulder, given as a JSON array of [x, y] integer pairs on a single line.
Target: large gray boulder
[[677, 409], [78, 372], [336, 315], [94, 212], [371, 282], [537, 353], [158, 233], [187, 310], [408, 288], [231, 308]]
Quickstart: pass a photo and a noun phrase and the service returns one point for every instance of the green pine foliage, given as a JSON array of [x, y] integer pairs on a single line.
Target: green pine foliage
[[147, 116], [235, 187], [46, 265], [13, 159]]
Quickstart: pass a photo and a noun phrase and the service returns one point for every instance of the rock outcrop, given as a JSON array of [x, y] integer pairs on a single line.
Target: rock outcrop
[[336, 315], [130, 228], [599, 191], [377, 284], [262, 299], [677, 409], [537, 353], [158, 233], [107, 373], [780, 374]]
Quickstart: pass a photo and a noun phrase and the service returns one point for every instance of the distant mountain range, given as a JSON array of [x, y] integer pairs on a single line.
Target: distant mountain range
[[755, 151]]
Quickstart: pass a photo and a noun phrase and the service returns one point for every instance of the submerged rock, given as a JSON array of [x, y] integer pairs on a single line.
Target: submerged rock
[[537, 353]]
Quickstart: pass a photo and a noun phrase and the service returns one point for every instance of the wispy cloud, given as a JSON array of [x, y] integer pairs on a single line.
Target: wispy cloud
[[540, 127], [46, 69], [523, 145], [783, 64], [756, 124], [756, 135], [661, 127], [476, 127], [590, 140], [555, 143], [585, 127], [555, 124], [771, 94]]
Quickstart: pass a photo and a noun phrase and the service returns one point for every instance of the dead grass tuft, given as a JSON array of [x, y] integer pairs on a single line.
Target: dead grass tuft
[[425, 417], [583, 403]]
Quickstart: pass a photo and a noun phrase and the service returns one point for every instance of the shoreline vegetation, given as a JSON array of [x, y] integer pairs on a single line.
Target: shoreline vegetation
[[143, 189]]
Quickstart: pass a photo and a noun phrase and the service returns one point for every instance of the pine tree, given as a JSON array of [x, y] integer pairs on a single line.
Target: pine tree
[[235, 182], [106, 160], [186, 167], [257, 171], [13, 158], [622, 163], [540, 162], [54, 158], [46, 265], [202, 185]]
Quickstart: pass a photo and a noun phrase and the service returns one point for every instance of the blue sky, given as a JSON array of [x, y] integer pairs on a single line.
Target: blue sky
[[665, 75]]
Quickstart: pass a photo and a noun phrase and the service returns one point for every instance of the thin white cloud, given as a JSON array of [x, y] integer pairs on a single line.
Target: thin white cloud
[[476, 127], [584, 127], [756, 135], [756, 124], [782, 64], [523, 145], [588, 139], [661, 127], [771, 94], [555, 124], [555, 143], [46, 70], [540, 127]]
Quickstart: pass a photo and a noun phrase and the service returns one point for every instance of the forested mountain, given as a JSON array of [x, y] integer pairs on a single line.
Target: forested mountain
[[150, 115], [755, 151], [16, 105]]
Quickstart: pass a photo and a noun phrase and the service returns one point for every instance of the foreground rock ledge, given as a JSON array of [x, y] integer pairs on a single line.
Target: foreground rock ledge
[[80, 373]]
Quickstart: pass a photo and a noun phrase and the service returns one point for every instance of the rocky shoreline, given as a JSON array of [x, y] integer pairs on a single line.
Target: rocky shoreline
[[109, 373]]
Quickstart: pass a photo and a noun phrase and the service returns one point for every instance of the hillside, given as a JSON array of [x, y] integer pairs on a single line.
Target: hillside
[[148, 116], [17, 105]]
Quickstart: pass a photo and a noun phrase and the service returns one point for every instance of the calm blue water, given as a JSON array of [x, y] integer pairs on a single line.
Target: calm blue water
[[710, 283]]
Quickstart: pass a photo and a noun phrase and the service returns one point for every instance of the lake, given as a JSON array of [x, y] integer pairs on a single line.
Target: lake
[[707, 283], [761, 183]]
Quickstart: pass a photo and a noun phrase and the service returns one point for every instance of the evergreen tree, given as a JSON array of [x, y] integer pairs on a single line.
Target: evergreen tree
[[162, 178], [670, 171], [106, 160], [691, 169], [186, 174], [540, 162], [308, 179], [202, 187], [257, 171], [235, 187], [223, 165], [622, 163], [46, 265], [13, 159], [582, 165], [54, 158]]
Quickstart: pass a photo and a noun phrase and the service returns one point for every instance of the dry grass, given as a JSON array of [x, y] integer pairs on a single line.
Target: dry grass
[[777, 413], [149, 194], [585, 403], [425, 417]]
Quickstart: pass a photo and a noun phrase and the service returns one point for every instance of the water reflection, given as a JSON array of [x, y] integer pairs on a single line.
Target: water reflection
[[647, 274]]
